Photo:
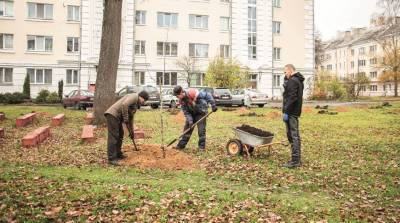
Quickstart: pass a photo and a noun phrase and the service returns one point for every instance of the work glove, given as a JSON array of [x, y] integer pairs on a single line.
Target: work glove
[[214, 108], [285, 117]]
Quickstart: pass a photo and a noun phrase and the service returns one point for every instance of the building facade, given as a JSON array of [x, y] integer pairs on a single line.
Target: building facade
[[359, 51], [60, 40]]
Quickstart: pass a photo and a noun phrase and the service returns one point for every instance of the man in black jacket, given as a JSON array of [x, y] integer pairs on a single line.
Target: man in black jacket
[[292, 103]]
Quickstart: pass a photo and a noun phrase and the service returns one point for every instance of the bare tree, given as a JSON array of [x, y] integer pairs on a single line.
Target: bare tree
[[389, 41], [319, 50], [187, 64], [109, 56], [355, 83]]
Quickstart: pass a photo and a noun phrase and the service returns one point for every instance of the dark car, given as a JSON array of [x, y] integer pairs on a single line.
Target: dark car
[[154, 99], [79, 99], [222, 96]]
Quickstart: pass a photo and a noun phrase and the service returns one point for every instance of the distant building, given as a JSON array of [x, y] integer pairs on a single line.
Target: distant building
[[49, 40], [359, 51]]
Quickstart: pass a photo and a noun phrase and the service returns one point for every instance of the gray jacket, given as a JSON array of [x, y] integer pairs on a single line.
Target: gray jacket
[[124, 106]]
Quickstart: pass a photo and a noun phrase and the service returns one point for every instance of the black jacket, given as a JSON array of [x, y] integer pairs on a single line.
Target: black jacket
[[293, 95]]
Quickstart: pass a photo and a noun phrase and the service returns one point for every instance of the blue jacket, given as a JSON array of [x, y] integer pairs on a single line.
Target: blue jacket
[[195, 103]]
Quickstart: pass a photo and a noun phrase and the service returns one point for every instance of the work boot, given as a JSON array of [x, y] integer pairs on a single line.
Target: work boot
[[121, 156], [113, 163], [201, 150], [292, 164], [178, 148]]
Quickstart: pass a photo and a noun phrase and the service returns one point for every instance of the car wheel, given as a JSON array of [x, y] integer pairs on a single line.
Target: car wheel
[[154, 106], [261, 106], [76, 106], [173, 104]]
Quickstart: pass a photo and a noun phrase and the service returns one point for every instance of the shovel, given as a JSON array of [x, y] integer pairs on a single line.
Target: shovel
[[187, 130], [132, 138]]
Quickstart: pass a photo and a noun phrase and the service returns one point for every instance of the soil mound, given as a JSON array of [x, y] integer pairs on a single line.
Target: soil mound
[[274, 115], [255, 131], [151, 157], [251, 114]]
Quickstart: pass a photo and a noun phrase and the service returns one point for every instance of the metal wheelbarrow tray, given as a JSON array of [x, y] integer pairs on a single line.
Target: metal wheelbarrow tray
[[252, 140]]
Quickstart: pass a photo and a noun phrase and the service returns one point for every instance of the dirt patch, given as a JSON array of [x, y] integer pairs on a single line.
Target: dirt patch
[[173, 111], [326, 112], [255, 131], [341, 109], [251, 114], [151, 157], [274, 115], [243, 110], [180, 117], [228, 109], [394, 112], [306, 110]]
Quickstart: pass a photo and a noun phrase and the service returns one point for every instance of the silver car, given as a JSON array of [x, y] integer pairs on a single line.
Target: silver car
[[249, 97], [168, 99]]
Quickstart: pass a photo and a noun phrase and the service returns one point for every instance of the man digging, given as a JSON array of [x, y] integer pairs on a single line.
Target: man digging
[[194, 105], [120, 112], [292, 103]]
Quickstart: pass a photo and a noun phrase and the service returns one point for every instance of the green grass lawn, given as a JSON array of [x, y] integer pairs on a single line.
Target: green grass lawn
[[350, 172]]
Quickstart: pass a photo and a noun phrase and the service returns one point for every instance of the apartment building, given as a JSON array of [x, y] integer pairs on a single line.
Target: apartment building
[[53, 40], [359, 51]]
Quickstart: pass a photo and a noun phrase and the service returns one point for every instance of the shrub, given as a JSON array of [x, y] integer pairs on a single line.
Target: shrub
[[337, 90], [27, 87], [60, 89], [42, 96], [12, 98], [53, 98]]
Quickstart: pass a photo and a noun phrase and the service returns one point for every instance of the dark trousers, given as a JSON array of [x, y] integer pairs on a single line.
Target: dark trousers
[[292, 131], [201, 129], [115, 137]]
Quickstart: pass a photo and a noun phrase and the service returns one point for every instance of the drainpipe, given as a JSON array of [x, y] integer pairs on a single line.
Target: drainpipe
[[80, 46], [272, 54], [230, 29], [133, 44]]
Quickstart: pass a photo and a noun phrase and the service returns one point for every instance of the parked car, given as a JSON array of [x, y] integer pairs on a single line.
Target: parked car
[[168, 98], [154, 95], [79, 99], [222, 96], [249, 97]]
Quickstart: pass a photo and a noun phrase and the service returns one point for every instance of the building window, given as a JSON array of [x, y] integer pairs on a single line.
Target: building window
[[373, 88], [276, 80], [72, 77], [361, 51], [140, 18], [328, 57], [329, 67], [372, 49], [167, 49], [6, 41], [276, 27], [198, 50], [363, 88], [140, 47], [40, 76], [198, 21], [224, 51], [40, 43], [168, 78], [361, 63], [224, 23], [373, 61], [6, 75], [352, 52], [352, 64], [252, 29], [166, 19], [373, 74], [139, 78], [6, 8], [40, 11], [73, 13], [72, 44], [277, 53], [276, 3], [227, 1], [196, 79]]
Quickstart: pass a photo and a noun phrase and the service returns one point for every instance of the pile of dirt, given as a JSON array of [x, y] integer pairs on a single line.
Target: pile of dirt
[[180, 117], [243, 110], [251, 114], [321, 107], [274, 115], [386, 104], [151, 157], [306, 110], [228, 109], [341, 109], [255, 131], [394, 112], [173, 111], [327, 112]]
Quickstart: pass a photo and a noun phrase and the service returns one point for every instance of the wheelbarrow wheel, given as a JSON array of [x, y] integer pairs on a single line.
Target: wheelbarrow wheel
[[234, 147]]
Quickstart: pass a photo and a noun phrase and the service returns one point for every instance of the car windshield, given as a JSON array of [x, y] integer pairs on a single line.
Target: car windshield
[[222, 91], [87, 93], [166, 91]]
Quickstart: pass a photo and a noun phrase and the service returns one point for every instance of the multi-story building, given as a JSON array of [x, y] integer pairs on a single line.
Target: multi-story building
[[358, 51], [53, 40]]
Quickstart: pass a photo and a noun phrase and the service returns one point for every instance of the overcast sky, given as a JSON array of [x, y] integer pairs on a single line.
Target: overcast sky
[[334, 15]]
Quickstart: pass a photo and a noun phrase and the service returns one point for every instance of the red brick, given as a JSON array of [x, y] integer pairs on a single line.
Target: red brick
[[25, 119], [138, 134], [89, 118], [35, 137], [1, 132], [57, 120], [2, 116], [87, 133]]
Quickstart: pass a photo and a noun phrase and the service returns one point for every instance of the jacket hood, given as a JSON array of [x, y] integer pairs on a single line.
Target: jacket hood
[[299, 76]]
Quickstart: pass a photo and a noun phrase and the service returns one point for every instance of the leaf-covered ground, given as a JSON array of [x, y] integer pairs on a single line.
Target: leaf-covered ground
[[350, 172]]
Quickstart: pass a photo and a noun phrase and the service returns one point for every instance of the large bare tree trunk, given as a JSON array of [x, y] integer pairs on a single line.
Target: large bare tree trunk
[[396, 82], [109, 55]]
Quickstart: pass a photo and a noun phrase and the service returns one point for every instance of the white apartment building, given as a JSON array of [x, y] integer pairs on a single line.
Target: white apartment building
[[359, 51], [58, 40]]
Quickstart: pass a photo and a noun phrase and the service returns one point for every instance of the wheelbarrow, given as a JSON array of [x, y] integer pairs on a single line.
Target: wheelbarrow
[[245, 143]]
